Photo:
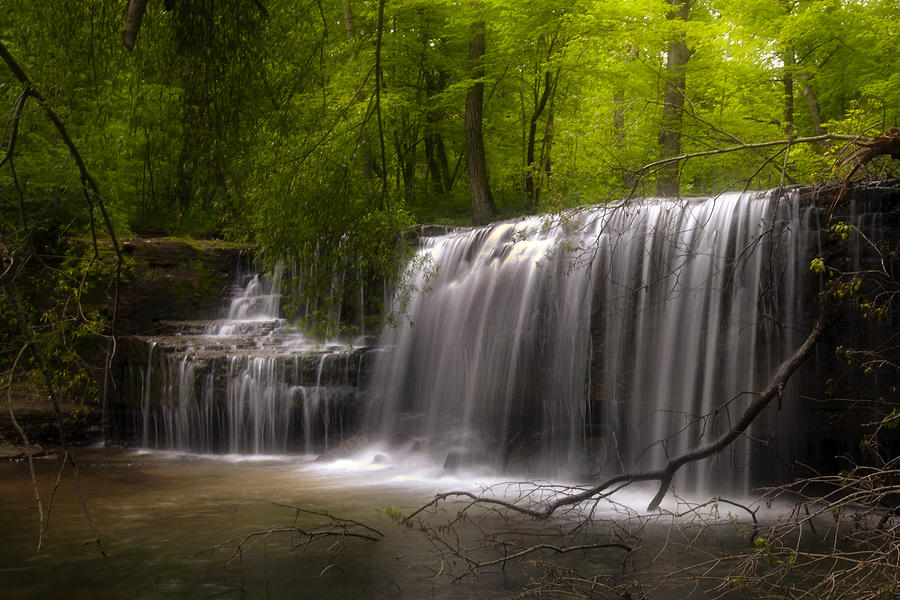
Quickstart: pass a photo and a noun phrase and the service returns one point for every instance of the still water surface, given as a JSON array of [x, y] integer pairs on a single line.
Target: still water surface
[[160, 513]]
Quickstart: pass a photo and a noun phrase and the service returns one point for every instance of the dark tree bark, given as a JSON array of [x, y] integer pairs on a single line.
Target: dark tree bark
[[483, 208], [406, 157], [133, 18], [545, 158], [787, 81], [379, 83], [532, 188], [369, 165], [673, 108], [435, 152], [434, 171]]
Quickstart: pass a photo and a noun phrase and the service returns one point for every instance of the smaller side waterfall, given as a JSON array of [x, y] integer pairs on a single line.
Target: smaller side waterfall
[[250, 383]]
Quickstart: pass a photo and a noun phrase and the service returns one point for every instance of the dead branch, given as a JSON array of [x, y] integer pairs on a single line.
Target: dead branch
[[93, 199], [318, 513], [89, 185], [333, 527], [241, 544], [514, 506], [755, 146], [28, 454], [855, 556], [886, 144], [665, 474], [553, 547]]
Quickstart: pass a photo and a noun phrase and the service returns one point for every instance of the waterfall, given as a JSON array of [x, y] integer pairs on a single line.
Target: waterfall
[[250, 383], [597, 341], [580, 345]]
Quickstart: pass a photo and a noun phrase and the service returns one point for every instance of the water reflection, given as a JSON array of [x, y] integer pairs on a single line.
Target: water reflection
[[162, 513]]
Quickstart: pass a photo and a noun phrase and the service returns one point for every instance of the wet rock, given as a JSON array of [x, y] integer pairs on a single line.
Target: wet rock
[[14, 452], [346, 448], [460, 459]]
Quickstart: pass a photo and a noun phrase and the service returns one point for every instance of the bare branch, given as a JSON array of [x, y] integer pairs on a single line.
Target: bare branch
[[334, 527], [754, 146], [317, 513], [665, 474], [554, 548]]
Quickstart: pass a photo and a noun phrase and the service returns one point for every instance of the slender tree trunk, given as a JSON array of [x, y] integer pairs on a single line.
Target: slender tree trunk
[[619, 118], [531, 188], [673, 108], [406, 161], [349, 26], [620, 105], [812, 103], [379, 83], [483, 208], [368, 160], [435, 152], [545, 159], [787, 80], [441, 155], [191, 142]]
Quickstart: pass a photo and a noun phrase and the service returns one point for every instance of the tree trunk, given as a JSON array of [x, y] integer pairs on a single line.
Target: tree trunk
[[787, 80], [379, 82], [532, 190], [369, 166], [812, 103], [619, 118], [670, 134], [435, 152], [133, 18], [545, 158], [619, 100], [434, 172], [349, 26], [483, 208]]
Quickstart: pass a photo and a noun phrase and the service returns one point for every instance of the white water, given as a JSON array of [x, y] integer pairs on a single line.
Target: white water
[[595, 342], [600, 341], [250, 383]]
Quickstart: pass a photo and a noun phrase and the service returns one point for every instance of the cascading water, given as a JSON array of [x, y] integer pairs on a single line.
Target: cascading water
[[595, 342], [248, 384], [599, 341]]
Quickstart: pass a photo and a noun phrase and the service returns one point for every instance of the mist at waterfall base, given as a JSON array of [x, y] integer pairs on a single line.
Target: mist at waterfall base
[[565, 348]]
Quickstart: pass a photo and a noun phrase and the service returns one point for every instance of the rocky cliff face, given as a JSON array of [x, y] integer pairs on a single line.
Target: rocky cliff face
[[174, 280]]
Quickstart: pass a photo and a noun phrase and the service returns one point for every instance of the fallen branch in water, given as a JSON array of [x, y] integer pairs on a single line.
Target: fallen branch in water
[[333, 528]]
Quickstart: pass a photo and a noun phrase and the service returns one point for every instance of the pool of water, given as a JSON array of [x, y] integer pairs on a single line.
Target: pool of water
[[161, 517]]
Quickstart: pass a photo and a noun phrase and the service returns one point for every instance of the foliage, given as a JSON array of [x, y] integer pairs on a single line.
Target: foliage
[[262, 122], [187, 132]]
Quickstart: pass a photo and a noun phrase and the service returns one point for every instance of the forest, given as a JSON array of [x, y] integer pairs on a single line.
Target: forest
[[293, 124], [325, 134]]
